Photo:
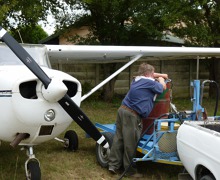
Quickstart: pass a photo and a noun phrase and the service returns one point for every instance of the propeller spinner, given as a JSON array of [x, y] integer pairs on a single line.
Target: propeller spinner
[[65, 101]]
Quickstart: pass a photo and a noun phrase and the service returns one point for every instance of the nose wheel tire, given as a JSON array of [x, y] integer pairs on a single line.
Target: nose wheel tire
[[33, 171], [71, 140], [102, 154]]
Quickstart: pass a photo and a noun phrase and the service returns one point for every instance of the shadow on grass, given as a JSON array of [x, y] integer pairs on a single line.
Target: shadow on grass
[[158, 171]]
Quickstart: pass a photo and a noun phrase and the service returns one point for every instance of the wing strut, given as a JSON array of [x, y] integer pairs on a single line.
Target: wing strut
[[135, 58]]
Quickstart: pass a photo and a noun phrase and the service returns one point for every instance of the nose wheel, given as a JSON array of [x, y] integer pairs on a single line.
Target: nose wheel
[[32, 166], [33, 170]]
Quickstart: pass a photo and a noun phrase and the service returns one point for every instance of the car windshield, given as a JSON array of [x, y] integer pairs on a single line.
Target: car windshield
[[37, 52]]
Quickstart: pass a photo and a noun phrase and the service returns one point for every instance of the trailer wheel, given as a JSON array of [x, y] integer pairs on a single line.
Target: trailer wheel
[[71, 140], [102, 154], [208, 177]]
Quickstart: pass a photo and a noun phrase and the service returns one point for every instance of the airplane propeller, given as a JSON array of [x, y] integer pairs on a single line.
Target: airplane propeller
[[65, 101]]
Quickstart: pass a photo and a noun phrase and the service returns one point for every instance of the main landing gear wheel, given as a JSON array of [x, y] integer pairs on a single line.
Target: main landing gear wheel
[[102, 154], [71, 140], [208, 177], [33, 171]]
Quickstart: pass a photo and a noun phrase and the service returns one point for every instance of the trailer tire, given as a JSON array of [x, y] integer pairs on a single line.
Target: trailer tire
[[102, 153]]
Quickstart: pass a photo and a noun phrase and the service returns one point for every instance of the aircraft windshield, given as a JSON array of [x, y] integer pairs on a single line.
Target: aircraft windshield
[[37, 52]]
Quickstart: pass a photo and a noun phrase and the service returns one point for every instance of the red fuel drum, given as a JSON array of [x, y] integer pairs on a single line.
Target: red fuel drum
[[161, 106]]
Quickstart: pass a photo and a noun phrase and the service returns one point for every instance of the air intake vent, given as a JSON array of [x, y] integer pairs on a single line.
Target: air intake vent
[[72, 88], [28, 89], [46, 130]]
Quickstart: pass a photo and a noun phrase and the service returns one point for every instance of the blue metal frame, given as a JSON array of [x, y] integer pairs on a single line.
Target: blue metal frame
[[148, 144]]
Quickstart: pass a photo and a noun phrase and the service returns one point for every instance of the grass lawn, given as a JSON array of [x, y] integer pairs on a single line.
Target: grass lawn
[[57, 163]]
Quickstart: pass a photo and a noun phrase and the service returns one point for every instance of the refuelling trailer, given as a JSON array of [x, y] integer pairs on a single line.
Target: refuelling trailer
[[158, 141]]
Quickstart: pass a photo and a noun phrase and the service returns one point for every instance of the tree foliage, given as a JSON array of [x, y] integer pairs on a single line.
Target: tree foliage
[[122, 22], [29, 34], [128, 22], [199, 24], [15, 13], [131, 22]]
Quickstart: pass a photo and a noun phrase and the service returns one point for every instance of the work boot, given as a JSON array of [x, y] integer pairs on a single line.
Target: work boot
[[114, 171]]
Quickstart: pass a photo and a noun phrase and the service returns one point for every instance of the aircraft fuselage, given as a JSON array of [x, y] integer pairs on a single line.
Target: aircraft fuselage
[[23, 107]]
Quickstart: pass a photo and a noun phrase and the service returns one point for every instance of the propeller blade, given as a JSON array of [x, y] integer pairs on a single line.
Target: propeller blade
[[66, 102], [82, 120]]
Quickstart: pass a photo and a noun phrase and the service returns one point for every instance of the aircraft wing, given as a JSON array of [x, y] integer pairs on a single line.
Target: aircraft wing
[[106, 54]]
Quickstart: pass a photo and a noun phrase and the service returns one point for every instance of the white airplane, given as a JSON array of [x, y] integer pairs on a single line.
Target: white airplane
[[38, 103]]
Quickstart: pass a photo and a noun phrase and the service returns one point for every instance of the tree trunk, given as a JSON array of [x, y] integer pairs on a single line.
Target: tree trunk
[[108, 89]]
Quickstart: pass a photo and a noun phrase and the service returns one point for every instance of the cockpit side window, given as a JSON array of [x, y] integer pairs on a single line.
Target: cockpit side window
[[38, 53], [7, 57]]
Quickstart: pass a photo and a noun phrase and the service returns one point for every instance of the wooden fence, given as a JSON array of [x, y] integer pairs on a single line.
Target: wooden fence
[[181, 72]]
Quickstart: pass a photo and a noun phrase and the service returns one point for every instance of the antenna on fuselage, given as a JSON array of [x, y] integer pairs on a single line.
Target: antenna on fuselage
[[20, 37]]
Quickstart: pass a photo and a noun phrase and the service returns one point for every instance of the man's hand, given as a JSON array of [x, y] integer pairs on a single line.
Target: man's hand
[[162, 81], [165, 76]]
